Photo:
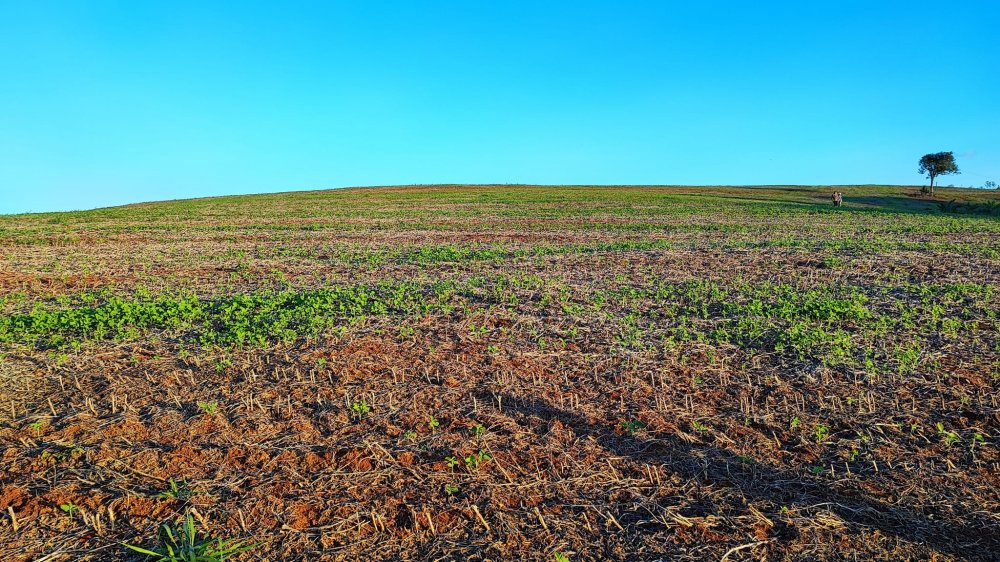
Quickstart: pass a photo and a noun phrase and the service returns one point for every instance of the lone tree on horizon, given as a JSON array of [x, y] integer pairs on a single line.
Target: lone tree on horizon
[[938, 164]]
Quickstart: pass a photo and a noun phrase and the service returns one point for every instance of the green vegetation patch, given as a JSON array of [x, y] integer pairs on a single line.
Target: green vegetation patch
[[235, 320], [836, 324], [455, 253], [832, 324]]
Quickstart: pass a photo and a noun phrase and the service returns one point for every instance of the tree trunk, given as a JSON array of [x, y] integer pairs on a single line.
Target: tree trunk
[[932, 186]]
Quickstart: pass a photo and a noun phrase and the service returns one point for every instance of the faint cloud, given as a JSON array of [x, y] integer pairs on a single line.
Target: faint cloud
[[967, 154]]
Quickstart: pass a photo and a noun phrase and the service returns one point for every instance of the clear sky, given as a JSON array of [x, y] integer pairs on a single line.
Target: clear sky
[[104, 103]]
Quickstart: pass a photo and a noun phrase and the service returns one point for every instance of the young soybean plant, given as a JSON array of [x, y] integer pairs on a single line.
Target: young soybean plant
[[208, 407], [359, 410]]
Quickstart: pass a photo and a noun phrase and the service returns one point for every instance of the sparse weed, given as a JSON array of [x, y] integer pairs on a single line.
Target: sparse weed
[[178, 490], [700, 427], [182, 544], [632, 427]]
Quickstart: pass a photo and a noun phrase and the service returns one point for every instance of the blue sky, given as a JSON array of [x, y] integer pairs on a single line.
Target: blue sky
[[104, 103]]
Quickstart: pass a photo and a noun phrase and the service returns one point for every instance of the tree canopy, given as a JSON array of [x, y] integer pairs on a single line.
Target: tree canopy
[[937, 164]]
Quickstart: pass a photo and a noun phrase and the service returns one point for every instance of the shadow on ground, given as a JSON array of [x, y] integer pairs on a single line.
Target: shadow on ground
[[949, 202], [978, 539]]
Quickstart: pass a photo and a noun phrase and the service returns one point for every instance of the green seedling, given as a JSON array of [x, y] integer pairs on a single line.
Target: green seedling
[[950, 437], [450, 489], [560, 557], [180, 491], [359, 410], [182, 544], [432, 422], [63, 453], [452, 462], [208, 407], [473, 461], [820, 432], [69, 508], [632, 427]]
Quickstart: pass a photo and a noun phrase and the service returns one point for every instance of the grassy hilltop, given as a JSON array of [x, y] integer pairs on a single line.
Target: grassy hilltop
[[503, 372]]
